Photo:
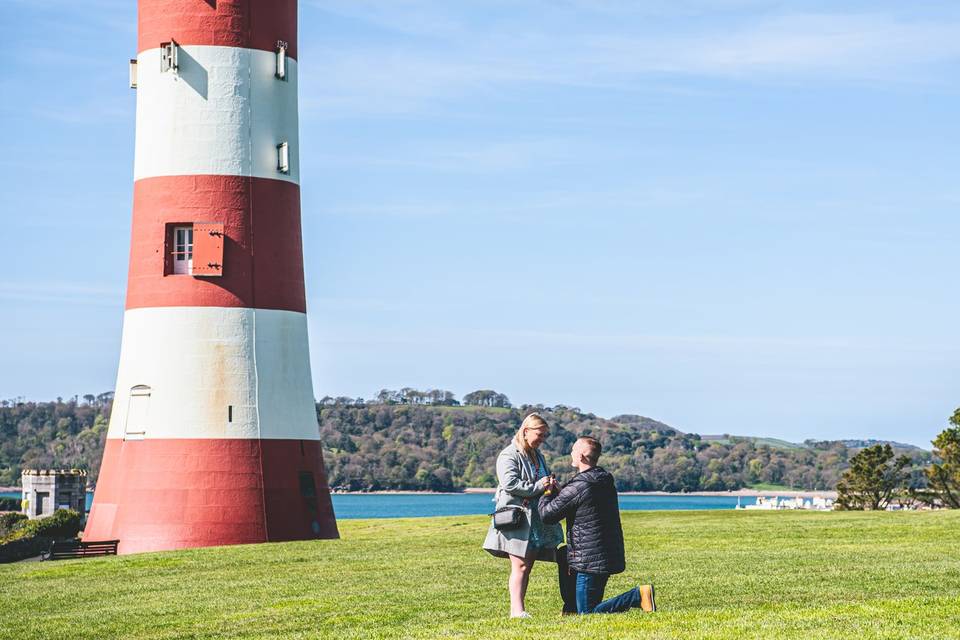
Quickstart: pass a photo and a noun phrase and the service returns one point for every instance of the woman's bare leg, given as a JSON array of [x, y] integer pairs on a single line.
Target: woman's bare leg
[[519, 578]]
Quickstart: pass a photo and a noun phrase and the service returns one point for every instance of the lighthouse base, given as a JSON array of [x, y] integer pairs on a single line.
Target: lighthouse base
[[157, 494]]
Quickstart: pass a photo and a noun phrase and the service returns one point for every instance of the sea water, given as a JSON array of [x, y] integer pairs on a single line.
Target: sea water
[[419, 505]]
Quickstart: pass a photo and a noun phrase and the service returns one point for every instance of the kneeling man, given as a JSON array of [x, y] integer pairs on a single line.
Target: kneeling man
[[594, 534]]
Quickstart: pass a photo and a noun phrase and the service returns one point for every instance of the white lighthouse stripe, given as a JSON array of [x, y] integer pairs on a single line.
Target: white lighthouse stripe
[[222, 113], [214, 372]]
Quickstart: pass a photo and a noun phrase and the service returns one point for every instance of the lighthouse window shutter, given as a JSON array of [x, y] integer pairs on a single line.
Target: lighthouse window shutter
[[208, 249], [283, 157], [168, 57], [281, 72]]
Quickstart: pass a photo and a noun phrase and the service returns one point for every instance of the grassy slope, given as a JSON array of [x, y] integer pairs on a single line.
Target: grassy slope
[[767, 486], [720, 574], [469, 408], [774, 443]]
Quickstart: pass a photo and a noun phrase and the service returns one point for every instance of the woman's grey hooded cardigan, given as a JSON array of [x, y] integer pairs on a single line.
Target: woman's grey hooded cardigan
[[517, 482]]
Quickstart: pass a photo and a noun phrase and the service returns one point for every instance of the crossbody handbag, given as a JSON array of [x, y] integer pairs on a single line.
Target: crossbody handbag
[[508, 518]]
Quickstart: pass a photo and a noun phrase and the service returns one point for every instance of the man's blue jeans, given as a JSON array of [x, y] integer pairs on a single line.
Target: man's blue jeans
[[590, 588]]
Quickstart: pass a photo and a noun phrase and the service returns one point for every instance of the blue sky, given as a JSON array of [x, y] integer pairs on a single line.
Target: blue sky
[[732, 216]]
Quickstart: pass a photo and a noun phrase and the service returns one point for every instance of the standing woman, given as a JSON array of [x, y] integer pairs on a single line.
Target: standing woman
[[522, 477]]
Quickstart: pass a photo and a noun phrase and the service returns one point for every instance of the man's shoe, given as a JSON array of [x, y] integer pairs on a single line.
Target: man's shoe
[[568, 613], [647, 601], [522, 615]]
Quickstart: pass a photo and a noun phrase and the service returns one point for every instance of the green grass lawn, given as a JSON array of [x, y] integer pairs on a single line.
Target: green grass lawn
[[719, 574]]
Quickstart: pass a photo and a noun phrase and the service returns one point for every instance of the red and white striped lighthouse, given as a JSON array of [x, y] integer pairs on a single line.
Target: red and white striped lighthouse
[[213, 438]]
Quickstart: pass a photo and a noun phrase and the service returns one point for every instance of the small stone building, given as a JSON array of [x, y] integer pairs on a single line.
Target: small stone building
[[45, 491]]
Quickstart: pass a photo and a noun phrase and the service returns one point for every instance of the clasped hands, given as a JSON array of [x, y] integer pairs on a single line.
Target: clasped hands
[[550, 485]]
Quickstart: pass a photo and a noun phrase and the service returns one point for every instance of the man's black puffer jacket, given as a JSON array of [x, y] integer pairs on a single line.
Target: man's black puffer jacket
[[594, 535]]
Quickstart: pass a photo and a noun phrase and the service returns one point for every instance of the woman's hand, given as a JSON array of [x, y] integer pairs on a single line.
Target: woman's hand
[[552, 486]]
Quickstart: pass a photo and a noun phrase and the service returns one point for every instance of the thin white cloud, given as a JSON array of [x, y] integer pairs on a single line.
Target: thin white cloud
[[520, 206], [96, 294], [871, 46], [341, 305], [398, 76], [879, 349], [465, 156], [411, 17], [88, 113]]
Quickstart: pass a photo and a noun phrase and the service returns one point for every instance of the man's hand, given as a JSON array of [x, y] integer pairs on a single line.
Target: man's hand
[[552, 486]]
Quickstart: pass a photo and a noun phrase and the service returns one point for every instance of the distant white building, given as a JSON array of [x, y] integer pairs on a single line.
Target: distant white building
[[45, 491], [773, 503]]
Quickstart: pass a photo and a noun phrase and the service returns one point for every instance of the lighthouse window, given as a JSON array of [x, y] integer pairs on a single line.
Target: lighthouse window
[[281, 60], [182, 250]]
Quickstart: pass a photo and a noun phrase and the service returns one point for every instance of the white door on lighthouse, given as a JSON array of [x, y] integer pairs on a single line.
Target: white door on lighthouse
[[138, 413]]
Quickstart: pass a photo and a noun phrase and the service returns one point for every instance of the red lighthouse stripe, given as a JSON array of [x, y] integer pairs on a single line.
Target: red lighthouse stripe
[[173, 494], [262, 252], [251, 24]]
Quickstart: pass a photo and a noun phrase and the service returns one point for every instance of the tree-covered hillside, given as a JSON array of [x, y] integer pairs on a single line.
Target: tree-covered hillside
[[443, 448], [46, 435], [416, 440]]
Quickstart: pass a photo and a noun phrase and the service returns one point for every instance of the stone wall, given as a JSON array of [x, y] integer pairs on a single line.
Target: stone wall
[[45, 491]]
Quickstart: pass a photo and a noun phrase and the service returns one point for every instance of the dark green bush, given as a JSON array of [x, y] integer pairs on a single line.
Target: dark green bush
[[9, 504], [64, 523], [10, 521]]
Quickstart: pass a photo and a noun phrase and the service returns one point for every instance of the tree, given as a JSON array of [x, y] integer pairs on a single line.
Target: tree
[[409, 395], [486, 398], [873, 478], [387, 396], [441, 397], [943, 478]]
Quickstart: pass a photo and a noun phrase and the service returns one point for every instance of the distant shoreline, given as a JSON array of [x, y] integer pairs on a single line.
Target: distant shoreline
[[739, 493]]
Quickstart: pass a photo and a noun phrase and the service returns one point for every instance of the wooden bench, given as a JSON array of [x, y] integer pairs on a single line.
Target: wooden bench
[[77, 549]]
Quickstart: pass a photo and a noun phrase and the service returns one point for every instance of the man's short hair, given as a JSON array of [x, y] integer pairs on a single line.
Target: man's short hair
[[592, 449]]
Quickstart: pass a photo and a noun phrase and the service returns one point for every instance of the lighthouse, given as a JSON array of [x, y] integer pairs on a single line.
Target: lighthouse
[[213, 438]]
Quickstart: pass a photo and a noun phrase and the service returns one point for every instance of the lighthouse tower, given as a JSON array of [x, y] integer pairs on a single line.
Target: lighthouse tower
[[213, 438]]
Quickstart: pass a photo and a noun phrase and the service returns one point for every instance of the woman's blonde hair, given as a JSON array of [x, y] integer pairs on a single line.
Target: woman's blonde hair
[[533, 421]]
